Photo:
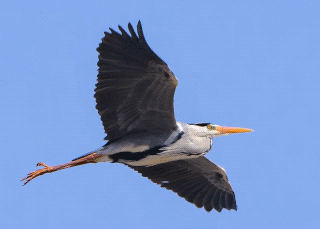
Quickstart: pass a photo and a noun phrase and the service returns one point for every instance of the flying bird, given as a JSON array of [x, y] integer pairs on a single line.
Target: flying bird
[[134, 96]]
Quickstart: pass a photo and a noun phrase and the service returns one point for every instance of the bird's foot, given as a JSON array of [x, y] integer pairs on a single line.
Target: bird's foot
[[91, 158], [39, 172]]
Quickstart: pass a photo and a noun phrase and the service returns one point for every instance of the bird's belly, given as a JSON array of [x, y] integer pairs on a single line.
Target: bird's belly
[[160, 158], [150, 157]]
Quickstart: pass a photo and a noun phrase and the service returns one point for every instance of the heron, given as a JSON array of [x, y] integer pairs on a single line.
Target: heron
[[134, 95]]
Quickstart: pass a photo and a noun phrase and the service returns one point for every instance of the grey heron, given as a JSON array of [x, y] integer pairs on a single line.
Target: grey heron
[[134, 96]]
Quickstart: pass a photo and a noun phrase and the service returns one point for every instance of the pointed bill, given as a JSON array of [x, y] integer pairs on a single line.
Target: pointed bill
[[232, 130]]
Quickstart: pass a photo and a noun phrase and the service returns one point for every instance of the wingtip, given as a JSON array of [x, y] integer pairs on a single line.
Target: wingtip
[[139, 28], [111, 30]]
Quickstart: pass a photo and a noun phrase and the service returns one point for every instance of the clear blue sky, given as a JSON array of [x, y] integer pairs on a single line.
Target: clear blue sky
[[253, 64]]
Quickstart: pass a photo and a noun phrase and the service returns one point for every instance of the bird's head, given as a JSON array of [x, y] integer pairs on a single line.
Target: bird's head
[[213, 130]]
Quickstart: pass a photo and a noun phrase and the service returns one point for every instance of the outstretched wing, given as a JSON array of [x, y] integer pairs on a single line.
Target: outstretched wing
[[135, 87], [198, 180]]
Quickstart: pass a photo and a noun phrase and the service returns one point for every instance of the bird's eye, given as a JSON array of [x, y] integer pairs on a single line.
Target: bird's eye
[[209, 127]]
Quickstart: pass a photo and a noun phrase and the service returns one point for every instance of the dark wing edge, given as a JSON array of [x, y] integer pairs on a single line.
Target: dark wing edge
[[199, 181], [135, 87]]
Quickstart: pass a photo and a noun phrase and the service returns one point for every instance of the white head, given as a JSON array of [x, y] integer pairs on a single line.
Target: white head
[[213, 130]]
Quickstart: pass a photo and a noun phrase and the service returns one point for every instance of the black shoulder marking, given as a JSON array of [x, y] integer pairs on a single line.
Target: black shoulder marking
[[201, 124], [166, 74], [178, 137], [129, 156]]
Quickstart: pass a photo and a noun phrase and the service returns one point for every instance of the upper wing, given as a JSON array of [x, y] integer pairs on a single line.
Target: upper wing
[[135, 87], [198, 180]]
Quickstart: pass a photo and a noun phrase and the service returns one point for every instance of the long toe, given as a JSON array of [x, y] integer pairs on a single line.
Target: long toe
[[37, 173]]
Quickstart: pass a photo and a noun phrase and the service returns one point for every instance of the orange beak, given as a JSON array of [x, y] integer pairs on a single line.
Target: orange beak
[[232, 130]]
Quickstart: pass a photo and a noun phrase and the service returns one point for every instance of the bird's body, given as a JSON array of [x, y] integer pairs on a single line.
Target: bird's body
[[134, 97], [145, 150]]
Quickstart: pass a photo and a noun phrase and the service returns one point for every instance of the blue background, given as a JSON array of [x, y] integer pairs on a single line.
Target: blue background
[[251, 64]]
